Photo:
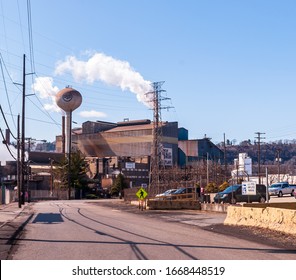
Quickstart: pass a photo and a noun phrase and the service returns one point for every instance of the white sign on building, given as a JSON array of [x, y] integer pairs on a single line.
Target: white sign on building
[[130, 165], [167, 156]]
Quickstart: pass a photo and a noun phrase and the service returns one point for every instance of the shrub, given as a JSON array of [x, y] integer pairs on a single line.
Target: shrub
[[223, 186], [211, 188]]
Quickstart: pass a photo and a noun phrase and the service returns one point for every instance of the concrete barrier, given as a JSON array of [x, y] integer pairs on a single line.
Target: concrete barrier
[[283, 220], [214, 207], [173, 204], [282, 205]]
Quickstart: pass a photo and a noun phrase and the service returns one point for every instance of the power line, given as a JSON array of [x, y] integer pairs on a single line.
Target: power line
[[6, 144], [5, 67], [19, 15], [31, 48], [3, 115], [4, 27], [7, 96], [42, 111]]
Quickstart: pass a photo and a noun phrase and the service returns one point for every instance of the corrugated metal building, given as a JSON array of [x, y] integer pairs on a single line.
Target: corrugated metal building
[[198, 149], [124, 146]]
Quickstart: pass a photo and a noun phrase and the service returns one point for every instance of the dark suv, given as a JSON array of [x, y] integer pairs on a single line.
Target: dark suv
[[233, 194]]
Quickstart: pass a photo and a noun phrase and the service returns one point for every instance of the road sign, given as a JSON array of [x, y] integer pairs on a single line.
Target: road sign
[[249, 188], [141, 194]]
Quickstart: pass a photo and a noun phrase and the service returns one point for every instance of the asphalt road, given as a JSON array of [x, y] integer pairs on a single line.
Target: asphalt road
[[84, 230]]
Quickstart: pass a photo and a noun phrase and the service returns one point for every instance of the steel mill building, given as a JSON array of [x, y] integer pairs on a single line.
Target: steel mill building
[[126, 147]]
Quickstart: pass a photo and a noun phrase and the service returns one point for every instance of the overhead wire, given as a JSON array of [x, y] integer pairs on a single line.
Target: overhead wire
[[29, 15], [3, 115], [7, 96], [7, 72], [43, 111], [38, 99], [6, 144], [4, 26], [22, 34], [92, 88], [31, 46], [38, 120]]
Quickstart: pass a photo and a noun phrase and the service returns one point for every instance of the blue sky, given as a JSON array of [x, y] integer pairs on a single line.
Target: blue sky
[[228, 66]]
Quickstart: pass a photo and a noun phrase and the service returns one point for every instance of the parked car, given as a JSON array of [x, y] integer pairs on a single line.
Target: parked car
[[281, 188], [234, 194], [165, 194], [183, 193]]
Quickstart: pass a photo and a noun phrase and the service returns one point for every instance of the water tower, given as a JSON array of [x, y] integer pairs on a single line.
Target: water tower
[[68, 99]]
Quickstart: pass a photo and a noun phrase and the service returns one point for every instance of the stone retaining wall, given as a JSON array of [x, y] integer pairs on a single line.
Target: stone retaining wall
[[283, 220]]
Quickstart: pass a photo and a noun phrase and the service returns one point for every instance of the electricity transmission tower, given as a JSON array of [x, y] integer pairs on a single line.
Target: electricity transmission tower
[[155, 162]]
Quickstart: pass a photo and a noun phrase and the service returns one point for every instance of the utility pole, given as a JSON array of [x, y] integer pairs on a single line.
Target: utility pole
[[225, 162], [22, 140], [23, 133], [259, 152], [278, 162], [18, 164], [208, 180], [156, 134]]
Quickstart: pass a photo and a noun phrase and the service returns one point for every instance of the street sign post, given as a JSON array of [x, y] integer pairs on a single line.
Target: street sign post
[[141, 194]]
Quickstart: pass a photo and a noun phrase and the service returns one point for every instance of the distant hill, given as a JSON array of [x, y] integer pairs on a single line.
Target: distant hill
[[270, 152]]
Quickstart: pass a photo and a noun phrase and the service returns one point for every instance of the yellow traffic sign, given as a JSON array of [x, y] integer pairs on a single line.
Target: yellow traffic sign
[[141, 194]]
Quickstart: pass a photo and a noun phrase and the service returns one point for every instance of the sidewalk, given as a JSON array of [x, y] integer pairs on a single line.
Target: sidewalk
[[12, 221]]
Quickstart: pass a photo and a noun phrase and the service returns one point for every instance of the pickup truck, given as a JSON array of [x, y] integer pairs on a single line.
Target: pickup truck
[[281, 189]]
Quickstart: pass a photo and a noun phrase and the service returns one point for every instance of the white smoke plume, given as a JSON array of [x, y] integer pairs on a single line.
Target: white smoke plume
[[46, 90], [100, 67]]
